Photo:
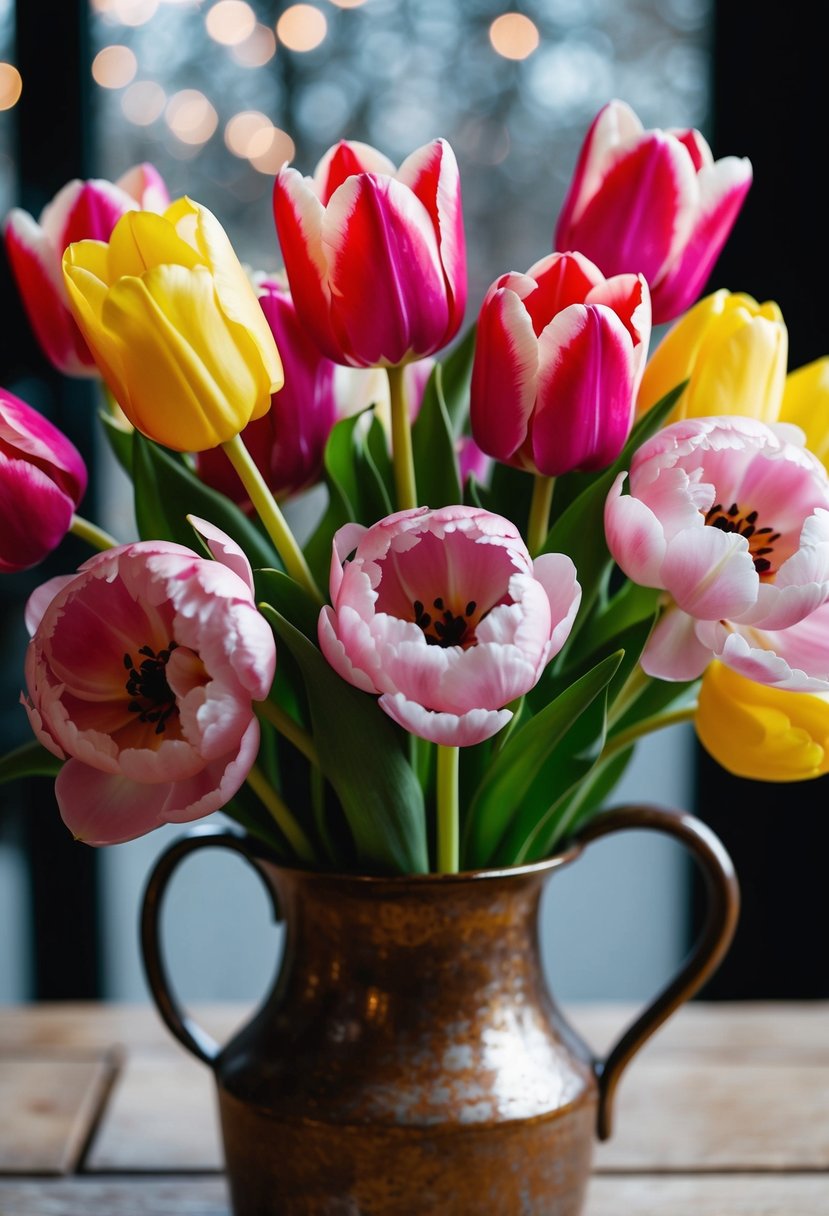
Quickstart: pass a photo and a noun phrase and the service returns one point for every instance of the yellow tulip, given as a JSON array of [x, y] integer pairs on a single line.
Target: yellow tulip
[[175, 326], [733, 353], [760, 732], [806, 403]]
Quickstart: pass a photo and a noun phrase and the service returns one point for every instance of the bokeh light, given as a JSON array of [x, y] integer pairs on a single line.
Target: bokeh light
[[242, 130], [143, 102], [133, 12], [256, 50], [11, 86], [301, 27], [514, 36], [270, 150], [114, 67], [347, 3], [230, 22], [191, 117]]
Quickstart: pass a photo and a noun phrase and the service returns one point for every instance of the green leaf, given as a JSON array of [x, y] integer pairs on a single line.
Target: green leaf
[[288, 598], [29, 760], [537, 826], [361, 755], [499, 799], [167, 491], [119, 439], [456, 374], [356, 489], [433, 446], [587, 797], [579, 530]]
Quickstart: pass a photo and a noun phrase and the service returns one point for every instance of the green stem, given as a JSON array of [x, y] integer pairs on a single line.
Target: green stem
[[448, 810], [292, 731], [268, 510], [633, 688], [401, 440], [647, 727], [540, 507], [283, 817], [92, 534]]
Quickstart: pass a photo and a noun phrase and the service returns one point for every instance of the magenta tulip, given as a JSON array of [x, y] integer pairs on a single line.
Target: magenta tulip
[[375, 256], [80, 210], [42, 480], [140, 674], [732, 522], [444, 614], [288, 442], [654, 203], [559, 355]]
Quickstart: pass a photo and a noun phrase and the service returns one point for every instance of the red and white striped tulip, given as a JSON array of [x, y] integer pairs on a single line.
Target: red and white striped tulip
[[652, 202], [375, 256], [80, 210], [559, 355]]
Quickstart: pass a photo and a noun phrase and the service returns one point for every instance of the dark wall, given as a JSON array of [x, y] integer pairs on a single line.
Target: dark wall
[[771, 102]]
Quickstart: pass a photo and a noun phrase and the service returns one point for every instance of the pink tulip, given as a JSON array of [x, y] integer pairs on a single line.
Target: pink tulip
[[141, 670], [559, 355], [654, 203], [80, 210], [42, 480], [444, 614], [288, 442], [375, 256], [732, 521]]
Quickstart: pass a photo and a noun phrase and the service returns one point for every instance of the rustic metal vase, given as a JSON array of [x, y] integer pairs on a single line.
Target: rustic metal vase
[[410, 1059]]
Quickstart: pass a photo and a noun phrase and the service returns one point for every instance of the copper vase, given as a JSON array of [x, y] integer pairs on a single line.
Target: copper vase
[[410, 1059]]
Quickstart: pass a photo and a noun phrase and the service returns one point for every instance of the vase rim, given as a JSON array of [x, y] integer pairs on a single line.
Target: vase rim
[[483, 874]]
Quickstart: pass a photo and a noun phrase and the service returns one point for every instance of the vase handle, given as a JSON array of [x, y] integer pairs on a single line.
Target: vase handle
[[715, 937], [188, 1032]]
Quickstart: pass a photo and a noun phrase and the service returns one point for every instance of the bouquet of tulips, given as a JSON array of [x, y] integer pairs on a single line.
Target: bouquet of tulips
[[538, 541]]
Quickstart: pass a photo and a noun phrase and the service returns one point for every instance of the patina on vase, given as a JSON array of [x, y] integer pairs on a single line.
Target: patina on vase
[[410, 1058]]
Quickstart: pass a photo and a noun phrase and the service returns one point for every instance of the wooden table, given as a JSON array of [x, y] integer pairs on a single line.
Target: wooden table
[[725, 1113]]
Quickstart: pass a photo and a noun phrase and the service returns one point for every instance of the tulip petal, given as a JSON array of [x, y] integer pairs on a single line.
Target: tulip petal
[[723, 187], [146, 185], [635, 536], [36, 514], [615, 127], [236, 296], [224, 549], [213, 390], [504, 375], [88, 213], [642, 215], [385, 274], [585, 391], [710, 573], [36, 267], [431, 173], [346, 159], [450, 730], [673, 650]]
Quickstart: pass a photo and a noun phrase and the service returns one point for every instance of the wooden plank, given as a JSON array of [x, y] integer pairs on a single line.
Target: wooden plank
[[748, 1195], [790, 1031], [670, 1116], [115, 1197], [47, 1111], [161, 1116], [90, 1026], [705, 1116]]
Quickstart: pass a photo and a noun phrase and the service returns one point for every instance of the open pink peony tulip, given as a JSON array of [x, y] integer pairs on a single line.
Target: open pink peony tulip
[[559, 356], [141, 670], [82, 209], [375, 256], [732, 521], [444, 614], [42, 480], [654, 203]]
